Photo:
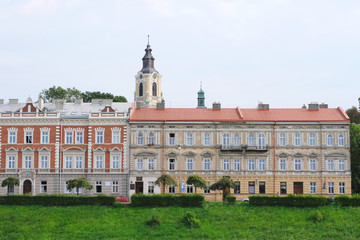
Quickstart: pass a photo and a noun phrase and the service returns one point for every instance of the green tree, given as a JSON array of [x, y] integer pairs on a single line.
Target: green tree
[[197, 181], [165, 180], [355, 157], [10, 181], [88, 96], [354, 115], [224, 184], [78, 183]]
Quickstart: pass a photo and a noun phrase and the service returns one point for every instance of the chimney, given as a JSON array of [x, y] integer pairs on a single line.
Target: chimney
[[41, 103], [323, 105], [313, 106], [304, 106], [138, 104], [13, 101], [160, 105], [216, 106], [1, 101], [79, 101], [262, 106], [59, 103]]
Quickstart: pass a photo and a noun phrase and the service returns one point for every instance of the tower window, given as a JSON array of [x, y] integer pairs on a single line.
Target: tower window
[[154, 89], [141, 89]]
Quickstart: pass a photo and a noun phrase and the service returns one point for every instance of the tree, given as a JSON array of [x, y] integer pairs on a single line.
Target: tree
[[88, 96], [10, 181], [355, 157], [78, 183], [197, 181], [354, 115], [224, 184], [165, 180]]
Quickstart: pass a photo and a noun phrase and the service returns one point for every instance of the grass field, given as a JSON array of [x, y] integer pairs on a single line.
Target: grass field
[[218, 221]]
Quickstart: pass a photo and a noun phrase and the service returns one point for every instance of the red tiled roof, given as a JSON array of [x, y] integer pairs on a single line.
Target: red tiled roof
[[240, 115]]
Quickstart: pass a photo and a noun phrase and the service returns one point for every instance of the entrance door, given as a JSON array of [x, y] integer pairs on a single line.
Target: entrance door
[[139, 187], [298, 188], [27, 187]]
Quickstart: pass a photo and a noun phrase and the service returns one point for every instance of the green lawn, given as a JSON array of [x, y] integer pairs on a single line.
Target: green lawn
[[218, 221]]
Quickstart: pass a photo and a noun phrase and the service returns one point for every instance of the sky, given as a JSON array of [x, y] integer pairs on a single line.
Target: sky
[[280, 52]]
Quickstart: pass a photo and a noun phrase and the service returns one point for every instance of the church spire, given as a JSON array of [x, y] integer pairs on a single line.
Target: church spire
[[201, 97], [148, 60]]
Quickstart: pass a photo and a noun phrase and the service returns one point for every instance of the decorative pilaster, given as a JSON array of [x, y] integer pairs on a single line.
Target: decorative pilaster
[[89, 147]]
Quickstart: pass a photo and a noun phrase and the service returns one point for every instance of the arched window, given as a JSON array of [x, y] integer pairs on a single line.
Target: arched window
[[140, 139], [154, 89], [251, 140], [141, 90], [261, 141], [330, 140], [151, 139], [236, 139], [226, 141], [341, 140]]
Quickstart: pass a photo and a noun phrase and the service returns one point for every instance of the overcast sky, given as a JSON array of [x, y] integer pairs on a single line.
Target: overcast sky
[[285, 53]]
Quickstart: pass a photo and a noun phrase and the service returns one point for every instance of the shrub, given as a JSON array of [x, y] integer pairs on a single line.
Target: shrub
[[166, 200], [345, 200], [191, 221], [318, 217], [290, 201], [230, 199], [154, 221]]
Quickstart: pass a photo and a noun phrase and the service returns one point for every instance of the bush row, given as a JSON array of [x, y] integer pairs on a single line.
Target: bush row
[[166, 200], [290, 201], [344, 200], [57, 200]]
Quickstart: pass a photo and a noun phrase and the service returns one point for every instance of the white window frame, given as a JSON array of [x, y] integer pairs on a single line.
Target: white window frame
[[151, 164], [45, 137], [172, 140], [69, 137], [28, 159], [190, 164], [115, 138], [251, 139], [11, 161], [297, 139], [151, 187], [312, 139], [251, 164], [312, 187], [341, 166], [98, 183], [12, 138], [262, 140], [79, 138], [43, 186], [189, 188], [207, 164], [282, 164], [331, 164], [341, 187], [44, 161], [341, 140], [151, 139], [262, 164], [140, 163], [331, 187], [236, 140], [99, 162], [207, 139], [79, 162], [100, 136], [68, 162], [30, 134], [282, 139], [297, 164], [312, 164], [115, 161], [189, 139], [66, 189], [226, 164], [172, 163], [115, 187], [140, 139], [236, 164], [330, 140]]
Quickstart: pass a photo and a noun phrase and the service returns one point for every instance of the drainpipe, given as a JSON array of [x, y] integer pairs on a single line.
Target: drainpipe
[[274, 146], [60, 153]]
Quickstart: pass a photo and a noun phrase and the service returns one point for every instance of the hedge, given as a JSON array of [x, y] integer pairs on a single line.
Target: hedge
[[57, 200], [290, 201], [166, 200], [345, 200]]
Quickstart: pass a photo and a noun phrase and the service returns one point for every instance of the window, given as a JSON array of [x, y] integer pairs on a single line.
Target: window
[[331, 187], [226, 141], [251, 187], [226, 164], [172, 164], [207, 164], [79, 137], [330, 140], [139, 164], [237, 187], [150, 187], [189, 164], [98, 187], [151, 164], [43, 187], [297, 164], [207, 189], [11, 163], [236, 139], [68, 161], [44, 162], [251, 140], [140, 89], [207, 139], [312, 164], [11, 189], [68, 137], [12, 137], [312, 139], [262, 141], [313, 187], [28, 161], [115, 162], [341, 140], [99, 137], [297, 139], [99, 162], [189, 188], [172, 139], [66, 188], [28, 137], [282, 187], [78, 162], [171, 188], [140, 139], [262, 187], [115, 136], [330, 164], [115, 186], [341, 187], [251, 164], [44, 137], [282, 164], [237, 164], [262, 164], [341, 165], [151, 140], [154, 89], [282, 139], [189, 139]]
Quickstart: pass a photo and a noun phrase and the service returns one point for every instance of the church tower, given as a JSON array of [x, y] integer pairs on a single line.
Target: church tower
[[148, 82], [201, 98]]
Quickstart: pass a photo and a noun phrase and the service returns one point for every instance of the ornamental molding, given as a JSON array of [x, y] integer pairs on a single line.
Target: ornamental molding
[[45, 129], [115, 129], [171, 153], [336, 154], [44, 149], [115, 149], [11, 149], [189, 154], [73, 149], [145, 152], [99, 149], [100, 129], [28, 149], [28, 129], [206, 153], [283, 154], [12, 129]]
